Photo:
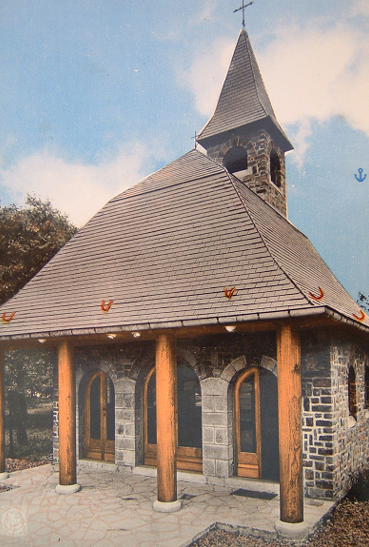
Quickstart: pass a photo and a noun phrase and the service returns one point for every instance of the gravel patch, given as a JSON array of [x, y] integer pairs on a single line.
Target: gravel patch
[[18, 464]]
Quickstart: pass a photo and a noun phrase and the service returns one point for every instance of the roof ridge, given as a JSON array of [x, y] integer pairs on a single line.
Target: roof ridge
[[122, 195], [310, 299], [262, 237], [231, 176]]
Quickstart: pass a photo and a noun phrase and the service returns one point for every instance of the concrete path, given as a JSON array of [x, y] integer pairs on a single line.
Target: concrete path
[[114, 508]]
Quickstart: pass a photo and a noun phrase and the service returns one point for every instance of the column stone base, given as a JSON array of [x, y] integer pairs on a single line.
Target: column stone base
[[4, 476], [291, 530], [67, 488], [167, 506]]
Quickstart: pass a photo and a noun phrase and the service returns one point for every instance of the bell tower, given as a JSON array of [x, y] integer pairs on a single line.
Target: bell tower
[[244, 135]]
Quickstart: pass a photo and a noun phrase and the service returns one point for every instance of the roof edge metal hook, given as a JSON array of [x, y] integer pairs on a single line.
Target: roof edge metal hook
[[360, 317], [320, 295], [5, 319], [106, 307]]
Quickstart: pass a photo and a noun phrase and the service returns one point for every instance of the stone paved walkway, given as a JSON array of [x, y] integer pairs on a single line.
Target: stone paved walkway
[[114, 509]]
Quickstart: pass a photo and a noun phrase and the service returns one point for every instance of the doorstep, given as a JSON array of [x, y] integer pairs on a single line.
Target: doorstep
[[257, 485]]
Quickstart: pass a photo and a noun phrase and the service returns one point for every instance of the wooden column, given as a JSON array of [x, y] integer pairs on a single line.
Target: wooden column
[[2, 413], [289, 414], [67, 417], [166, 417]]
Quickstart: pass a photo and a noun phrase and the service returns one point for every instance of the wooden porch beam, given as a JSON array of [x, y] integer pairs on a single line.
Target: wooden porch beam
[[166, 423], [289, 414], [67, 420]]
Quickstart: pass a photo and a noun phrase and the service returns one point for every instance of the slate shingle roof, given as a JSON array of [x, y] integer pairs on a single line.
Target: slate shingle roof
[[243, 99], [164, 251]]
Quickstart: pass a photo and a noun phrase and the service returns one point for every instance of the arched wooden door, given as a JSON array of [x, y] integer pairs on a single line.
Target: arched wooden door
[[189, 450], [99, 439], [247, 424], [256, 424]]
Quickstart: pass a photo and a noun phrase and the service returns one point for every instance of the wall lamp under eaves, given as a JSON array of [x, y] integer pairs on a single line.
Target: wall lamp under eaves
[[111, 336], [136, 334], [230, 328], [42, 340]]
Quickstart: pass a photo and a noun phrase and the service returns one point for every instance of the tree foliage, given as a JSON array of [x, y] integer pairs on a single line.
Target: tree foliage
[[29, 237], [30, 372], [363, 301]]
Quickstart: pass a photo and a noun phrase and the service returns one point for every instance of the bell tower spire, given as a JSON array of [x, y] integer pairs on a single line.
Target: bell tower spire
[[243, 134]]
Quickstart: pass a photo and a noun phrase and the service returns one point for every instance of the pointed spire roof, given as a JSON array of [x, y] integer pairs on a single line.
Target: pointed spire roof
[[243, 100]]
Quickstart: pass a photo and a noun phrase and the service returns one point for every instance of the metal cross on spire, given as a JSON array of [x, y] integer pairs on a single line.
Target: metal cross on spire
[[243, 8]]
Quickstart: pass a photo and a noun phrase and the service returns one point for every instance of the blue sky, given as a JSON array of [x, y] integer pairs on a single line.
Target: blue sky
[[96, 94]]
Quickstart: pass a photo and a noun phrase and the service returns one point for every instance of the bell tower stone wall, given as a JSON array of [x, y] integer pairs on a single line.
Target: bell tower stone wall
[[265, 173]]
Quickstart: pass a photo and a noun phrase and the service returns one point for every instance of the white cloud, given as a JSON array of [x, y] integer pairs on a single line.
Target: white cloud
[[312, 72], [360, 7], [206, 75], [74, 188]]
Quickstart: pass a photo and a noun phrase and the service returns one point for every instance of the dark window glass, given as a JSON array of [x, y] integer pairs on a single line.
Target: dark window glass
[[275, 167], [247, 415], [151, 410], [366, 387], [269, 425], [95, 409], [189, 408], [110, 410], [235, 159], [352, 392]]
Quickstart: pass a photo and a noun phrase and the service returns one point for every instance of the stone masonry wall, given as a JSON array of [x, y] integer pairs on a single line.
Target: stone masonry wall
[[350, 435], [335, 445], [317, 428], [217, 419], [258, 177]]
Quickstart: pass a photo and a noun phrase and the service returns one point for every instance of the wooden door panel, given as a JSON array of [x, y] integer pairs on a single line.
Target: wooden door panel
[[187, 459], [247, 424], [97, 445]]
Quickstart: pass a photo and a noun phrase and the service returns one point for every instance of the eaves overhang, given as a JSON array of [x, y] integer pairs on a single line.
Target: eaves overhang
[[306, 318], [267, 123]]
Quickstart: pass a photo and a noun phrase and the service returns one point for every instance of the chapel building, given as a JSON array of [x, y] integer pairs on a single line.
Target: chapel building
[[197, 329]]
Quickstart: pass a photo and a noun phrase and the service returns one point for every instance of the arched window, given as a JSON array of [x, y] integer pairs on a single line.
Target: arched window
[[256, 424], [275, 167], [189, 450], [235, 159], [99, 435], [352, 392], [247, 417]]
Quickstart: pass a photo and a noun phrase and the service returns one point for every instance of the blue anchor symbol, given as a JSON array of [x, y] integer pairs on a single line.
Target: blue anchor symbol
[[360, 178]]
